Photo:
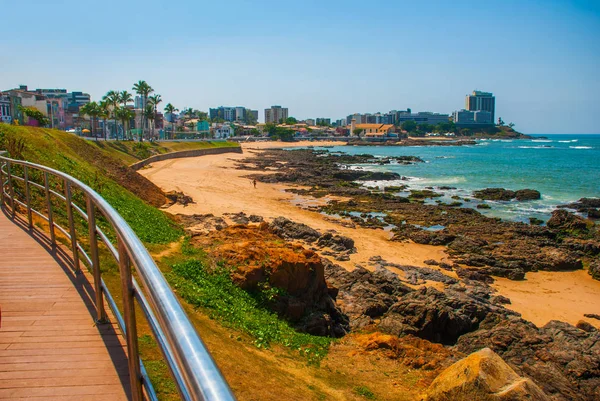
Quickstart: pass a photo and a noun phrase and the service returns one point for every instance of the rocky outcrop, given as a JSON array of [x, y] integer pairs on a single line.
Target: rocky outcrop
[[440, 317], [288, 278], [290, 230], [483, 375], [496, 194], [562, 359], [527, 194], [591, 206], [501, 194], [565, 221], [176, 197]]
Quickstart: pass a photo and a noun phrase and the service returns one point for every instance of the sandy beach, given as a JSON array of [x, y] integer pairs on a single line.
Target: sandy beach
[[218, 188]]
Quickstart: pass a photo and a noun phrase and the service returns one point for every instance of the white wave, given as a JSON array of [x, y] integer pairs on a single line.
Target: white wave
[[570, 141], [448, 180], [536, 147], [541, 140], [580, 147]]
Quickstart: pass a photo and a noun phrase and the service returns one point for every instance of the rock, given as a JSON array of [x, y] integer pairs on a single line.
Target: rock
[[565, 221], [483, 206], [289, 230], [501, 300], [535, 221], [497, 194], [364, 295], [431, 262], [562, 359], [255, 219], [594, 269], [179, 198], [338, 243], [592, 316], [527, 194], [475, 274], [440, 317], [585, 326], [593, 213], [483, 375]]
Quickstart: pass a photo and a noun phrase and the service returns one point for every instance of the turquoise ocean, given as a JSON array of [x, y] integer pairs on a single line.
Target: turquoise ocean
[[564, 168]]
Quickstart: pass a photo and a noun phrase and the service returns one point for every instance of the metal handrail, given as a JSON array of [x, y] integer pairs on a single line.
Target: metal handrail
[[196, 375]]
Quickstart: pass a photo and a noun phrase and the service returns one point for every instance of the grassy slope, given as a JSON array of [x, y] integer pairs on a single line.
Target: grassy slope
[[254, 373]]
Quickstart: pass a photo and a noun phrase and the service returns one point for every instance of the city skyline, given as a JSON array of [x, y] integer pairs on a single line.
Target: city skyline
[[538, 58]]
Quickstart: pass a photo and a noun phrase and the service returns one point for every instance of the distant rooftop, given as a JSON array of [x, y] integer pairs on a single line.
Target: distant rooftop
[[481, 93]]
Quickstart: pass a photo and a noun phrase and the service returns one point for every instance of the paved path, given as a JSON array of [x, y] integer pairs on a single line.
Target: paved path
[[50, 348]]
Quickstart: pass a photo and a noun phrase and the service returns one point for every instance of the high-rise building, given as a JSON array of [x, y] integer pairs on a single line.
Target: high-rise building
[[323, 121], [481, 101], [276, 114], [232, 114]]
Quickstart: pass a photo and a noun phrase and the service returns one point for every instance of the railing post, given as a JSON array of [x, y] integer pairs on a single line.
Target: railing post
[[72, 232], [91, 217], [135, 376], [49, 205], [2, 183], [27, 196], [11, 189]]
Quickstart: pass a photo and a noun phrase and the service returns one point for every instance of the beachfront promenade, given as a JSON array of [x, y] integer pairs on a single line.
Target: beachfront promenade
[[50, 347]]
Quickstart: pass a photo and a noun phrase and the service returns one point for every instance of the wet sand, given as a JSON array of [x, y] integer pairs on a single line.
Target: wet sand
[[218, 188]]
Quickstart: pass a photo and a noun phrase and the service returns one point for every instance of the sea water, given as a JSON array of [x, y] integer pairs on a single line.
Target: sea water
[[564, 168]]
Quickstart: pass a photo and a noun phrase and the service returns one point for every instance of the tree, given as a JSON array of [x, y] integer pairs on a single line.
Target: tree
[[291, 121], [149, 114], [104, 113], [125, 115], [93, 111], [511, 125], [154, 101], [125, 98], [409, 126], [357, 131], [113, 98], [170, 109], [143, 89]]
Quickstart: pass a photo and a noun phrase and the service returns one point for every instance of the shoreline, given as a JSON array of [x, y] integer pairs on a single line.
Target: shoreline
[[218, 187]]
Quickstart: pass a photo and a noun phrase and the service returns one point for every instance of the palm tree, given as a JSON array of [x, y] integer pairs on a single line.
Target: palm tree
[[92, 110], [143, 89], [125, 115], [149, 113], [104, 112], [125, 98], [170, 109], [113, 98], [154, 100]]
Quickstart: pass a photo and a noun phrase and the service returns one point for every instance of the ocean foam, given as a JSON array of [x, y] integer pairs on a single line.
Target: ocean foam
[[541, 140], [536, 147], [580, 147], [572, 140]]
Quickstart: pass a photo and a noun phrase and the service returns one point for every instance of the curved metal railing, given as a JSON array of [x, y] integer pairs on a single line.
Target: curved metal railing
[[192, 367]]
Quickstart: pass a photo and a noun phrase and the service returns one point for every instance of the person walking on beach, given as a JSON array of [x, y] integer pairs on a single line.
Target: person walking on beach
[[254, 183]]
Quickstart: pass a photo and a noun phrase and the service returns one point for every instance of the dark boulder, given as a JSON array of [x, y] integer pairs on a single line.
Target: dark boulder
[[497, 194], [527, 194], [594, 269], [565, 221], [290, 230]]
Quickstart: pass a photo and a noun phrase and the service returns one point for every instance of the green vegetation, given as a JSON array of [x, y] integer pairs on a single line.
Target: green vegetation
[[37, 115], [365, 392], [279, 133]]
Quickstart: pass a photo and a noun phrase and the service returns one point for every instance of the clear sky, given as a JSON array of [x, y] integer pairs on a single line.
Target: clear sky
[[319, 58]]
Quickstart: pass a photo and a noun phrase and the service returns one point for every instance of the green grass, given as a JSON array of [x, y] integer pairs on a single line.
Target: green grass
[[365, 392]]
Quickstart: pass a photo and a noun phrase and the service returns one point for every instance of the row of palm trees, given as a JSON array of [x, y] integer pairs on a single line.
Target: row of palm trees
[[114, 105]]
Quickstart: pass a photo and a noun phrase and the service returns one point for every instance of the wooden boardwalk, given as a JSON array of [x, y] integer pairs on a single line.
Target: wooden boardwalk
[[50, 348]]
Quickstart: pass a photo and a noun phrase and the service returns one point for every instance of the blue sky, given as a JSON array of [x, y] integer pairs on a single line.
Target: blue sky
[[324, 58]]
